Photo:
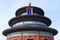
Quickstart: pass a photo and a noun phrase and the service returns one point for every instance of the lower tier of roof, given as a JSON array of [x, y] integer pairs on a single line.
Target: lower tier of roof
[[29, 28]]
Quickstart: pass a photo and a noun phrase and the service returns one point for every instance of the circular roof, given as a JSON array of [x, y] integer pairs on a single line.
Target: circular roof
[[43, 19], [35, 10], [29, 28]]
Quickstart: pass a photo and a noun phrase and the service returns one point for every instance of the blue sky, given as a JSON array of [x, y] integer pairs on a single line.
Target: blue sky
[[9, 7]]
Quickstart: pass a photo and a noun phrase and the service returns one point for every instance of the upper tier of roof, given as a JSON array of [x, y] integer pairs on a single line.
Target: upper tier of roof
[[36, 10]]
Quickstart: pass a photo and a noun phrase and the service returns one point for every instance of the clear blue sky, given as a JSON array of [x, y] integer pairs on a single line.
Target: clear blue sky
[[9, 7]]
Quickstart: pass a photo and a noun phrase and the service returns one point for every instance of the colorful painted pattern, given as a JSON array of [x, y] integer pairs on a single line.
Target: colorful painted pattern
[[30, 37]]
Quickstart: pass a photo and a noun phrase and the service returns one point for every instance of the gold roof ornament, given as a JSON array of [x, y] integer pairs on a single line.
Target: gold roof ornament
[[29, 3]]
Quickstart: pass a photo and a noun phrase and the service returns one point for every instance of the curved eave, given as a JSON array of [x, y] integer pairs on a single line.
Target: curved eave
[[43, 19], [23, 10], [29, 28]]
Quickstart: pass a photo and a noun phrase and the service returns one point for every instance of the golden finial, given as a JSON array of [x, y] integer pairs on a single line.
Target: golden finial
[[29, 3]]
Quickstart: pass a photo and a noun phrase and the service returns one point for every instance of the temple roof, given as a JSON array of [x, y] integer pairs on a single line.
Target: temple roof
[[29, 28], [43, 19], [35, 10]]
